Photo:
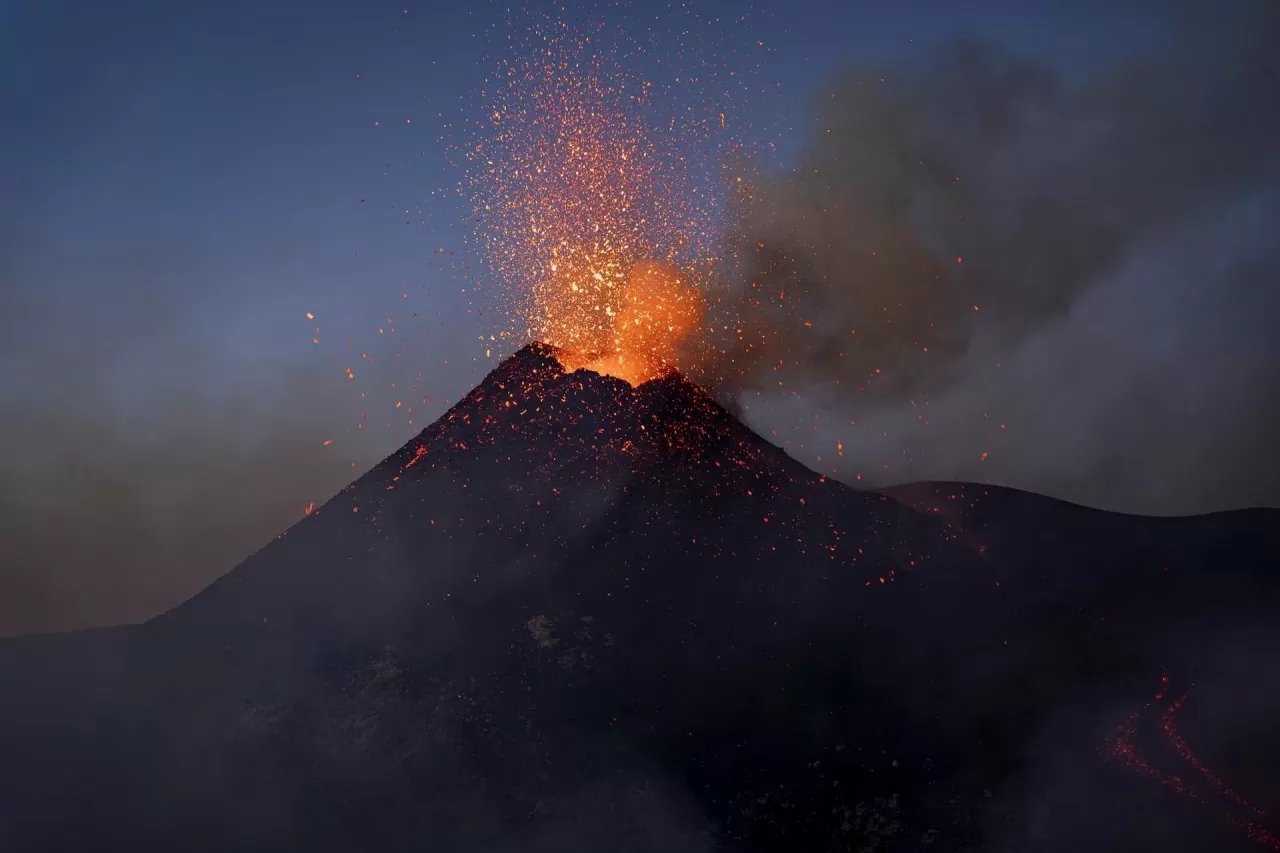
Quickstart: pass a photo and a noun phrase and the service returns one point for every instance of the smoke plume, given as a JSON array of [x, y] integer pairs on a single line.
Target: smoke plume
[[980, 270]]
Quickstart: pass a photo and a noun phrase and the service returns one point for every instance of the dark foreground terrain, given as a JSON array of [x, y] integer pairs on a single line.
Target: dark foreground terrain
[[572, 616]]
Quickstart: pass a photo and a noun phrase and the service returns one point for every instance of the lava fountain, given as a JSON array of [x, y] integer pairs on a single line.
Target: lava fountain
[[585, 211], [628, 322]]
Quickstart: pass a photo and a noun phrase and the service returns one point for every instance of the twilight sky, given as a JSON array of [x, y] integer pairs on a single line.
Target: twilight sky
[[184, 182]]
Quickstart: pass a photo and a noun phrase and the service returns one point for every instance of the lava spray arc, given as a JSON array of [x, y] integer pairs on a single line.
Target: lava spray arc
[[586, 213]]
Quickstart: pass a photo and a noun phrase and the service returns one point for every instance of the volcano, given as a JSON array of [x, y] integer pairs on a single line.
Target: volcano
[[576, 615]]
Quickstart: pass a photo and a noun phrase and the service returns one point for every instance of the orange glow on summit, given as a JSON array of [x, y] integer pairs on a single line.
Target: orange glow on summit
[[584, 211], [629, 324]]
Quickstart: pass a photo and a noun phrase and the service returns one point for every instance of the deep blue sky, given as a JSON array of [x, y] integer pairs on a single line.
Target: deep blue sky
[[222, 160], [237, 138], [182, 181]]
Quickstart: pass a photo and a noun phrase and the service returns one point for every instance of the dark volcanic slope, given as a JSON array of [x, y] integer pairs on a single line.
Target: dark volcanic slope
[[573, 616]]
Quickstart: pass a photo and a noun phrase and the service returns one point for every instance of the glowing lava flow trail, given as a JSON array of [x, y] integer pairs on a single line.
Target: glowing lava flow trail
[[1121, 747]]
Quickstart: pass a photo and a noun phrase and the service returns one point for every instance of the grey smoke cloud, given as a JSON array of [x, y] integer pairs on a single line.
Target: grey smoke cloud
[[1077, 279]]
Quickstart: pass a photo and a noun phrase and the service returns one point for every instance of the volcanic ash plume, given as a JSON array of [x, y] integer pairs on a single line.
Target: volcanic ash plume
[[980, 270]]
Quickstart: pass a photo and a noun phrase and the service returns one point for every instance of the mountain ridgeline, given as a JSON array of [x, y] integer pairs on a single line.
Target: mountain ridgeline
[[573, 615]]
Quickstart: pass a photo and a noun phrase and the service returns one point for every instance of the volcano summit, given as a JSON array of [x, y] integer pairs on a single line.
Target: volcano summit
[[577, 615]]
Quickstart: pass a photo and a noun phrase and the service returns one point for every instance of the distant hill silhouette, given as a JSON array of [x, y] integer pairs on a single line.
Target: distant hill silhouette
[[575, 616]]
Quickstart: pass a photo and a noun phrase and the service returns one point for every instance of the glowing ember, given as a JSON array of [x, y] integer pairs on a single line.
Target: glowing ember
[[586, 218]]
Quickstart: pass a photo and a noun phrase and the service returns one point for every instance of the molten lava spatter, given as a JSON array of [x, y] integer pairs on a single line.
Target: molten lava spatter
[[631, 328], [586, 211]]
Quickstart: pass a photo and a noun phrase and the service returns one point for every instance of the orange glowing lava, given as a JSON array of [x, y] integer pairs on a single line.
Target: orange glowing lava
[[585, 209], [624, 322]]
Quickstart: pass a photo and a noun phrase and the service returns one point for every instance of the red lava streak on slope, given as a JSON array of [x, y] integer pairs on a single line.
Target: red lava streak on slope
[[1122, 748], [420, 452]]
